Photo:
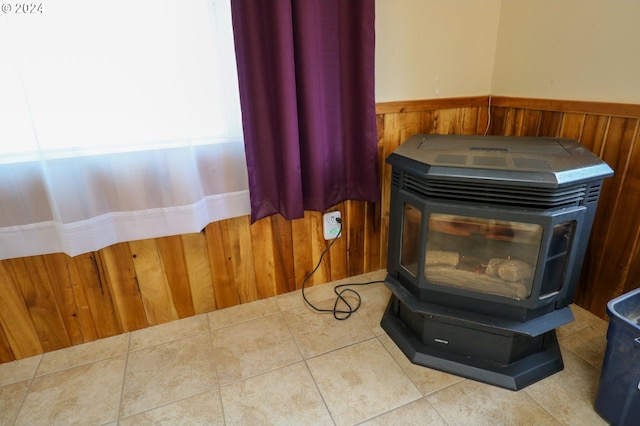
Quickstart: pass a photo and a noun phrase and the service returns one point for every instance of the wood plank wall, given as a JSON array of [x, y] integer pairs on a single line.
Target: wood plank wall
[[55, 301], [612, 131]]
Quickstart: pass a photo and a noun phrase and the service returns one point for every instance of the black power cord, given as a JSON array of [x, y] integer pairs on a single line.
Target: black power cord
[[339, 314]]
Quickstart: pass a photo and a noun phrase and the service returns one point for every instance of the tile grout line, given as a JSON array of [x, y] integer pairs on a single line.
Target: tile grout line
[[304, 360], [81, 364], [124, 378], [315, 384], [425, 396], [171, 341], [244, 320], [215, 361], [168, 403], [361, 316], [177, 339], [26, 394], [542, 407]]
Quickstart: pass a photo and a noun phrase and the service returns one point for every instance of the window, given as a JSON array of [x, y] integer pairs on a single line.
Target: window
[[120, 121]]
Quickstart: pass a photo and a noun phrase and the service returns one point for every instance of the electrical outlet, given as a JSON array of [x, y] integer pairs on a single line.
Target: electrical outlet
[[331, 225]]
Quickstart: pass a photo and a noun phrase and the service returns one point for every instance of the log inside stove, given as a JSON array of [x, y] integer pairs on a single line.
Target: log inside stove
[[505, 277]]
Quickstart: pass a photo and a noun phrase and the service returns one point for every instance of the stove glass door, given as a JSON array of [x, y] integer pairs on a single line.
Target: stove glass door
[[485, 255], [411, 239]]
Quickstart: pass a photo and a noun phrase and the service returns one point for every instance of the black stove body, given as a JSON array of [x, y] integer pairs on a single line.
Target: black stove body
[[486, 240]]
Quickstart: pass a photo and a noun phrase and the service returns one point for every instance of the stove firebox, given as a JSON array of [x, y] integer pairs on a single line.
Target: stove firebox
[[486, 240]]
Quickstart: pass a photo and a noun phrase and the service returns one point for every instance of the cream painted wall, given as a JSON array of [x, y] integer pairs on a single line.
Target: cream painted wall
[[550, 49], [427, 49], [569, 49]]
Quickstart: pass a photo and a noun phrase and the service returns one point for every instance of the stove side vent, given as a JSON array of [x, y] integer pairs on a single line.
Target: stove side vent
[[593, 193]]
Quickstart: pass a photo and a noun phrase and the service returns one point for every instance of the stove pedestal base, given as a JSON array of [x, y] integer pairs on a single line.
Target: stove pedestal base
[[508, 360]]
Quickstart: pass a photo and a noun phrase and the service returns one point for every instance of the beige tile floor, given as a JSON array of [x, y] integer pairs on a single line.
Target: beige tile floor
[[275, 361]]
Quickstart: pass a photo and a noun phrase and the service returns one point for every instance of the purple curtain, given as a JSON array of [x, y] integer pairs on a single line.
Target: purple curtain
[[306, 75]]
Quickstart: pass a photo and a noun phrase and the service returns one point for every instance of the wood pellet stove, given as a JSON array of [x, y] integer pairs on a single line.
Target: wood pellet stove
[[486, 240]]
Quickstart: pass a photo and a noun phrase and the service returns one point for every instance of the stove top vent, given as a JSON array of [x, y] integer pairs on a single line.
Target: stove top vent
[[553, 170]]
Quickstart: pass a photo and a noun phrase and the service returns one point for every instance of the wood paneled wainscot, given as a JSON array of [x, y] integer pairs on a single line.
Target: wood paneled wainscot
[[54, 301]]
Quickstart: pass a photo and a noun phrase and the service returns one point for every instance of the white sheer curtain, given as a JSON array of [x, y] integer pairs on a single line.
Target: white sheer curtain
[[119, 120]]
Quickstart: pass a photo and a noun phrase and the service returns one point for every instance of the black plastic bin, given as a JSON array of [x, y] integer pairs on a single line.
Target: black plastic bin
[[618, 397]]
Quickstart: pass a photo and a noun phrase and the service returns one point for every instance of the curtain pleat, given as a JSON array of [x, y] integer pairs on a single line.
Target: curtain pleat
[[306, 77]]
